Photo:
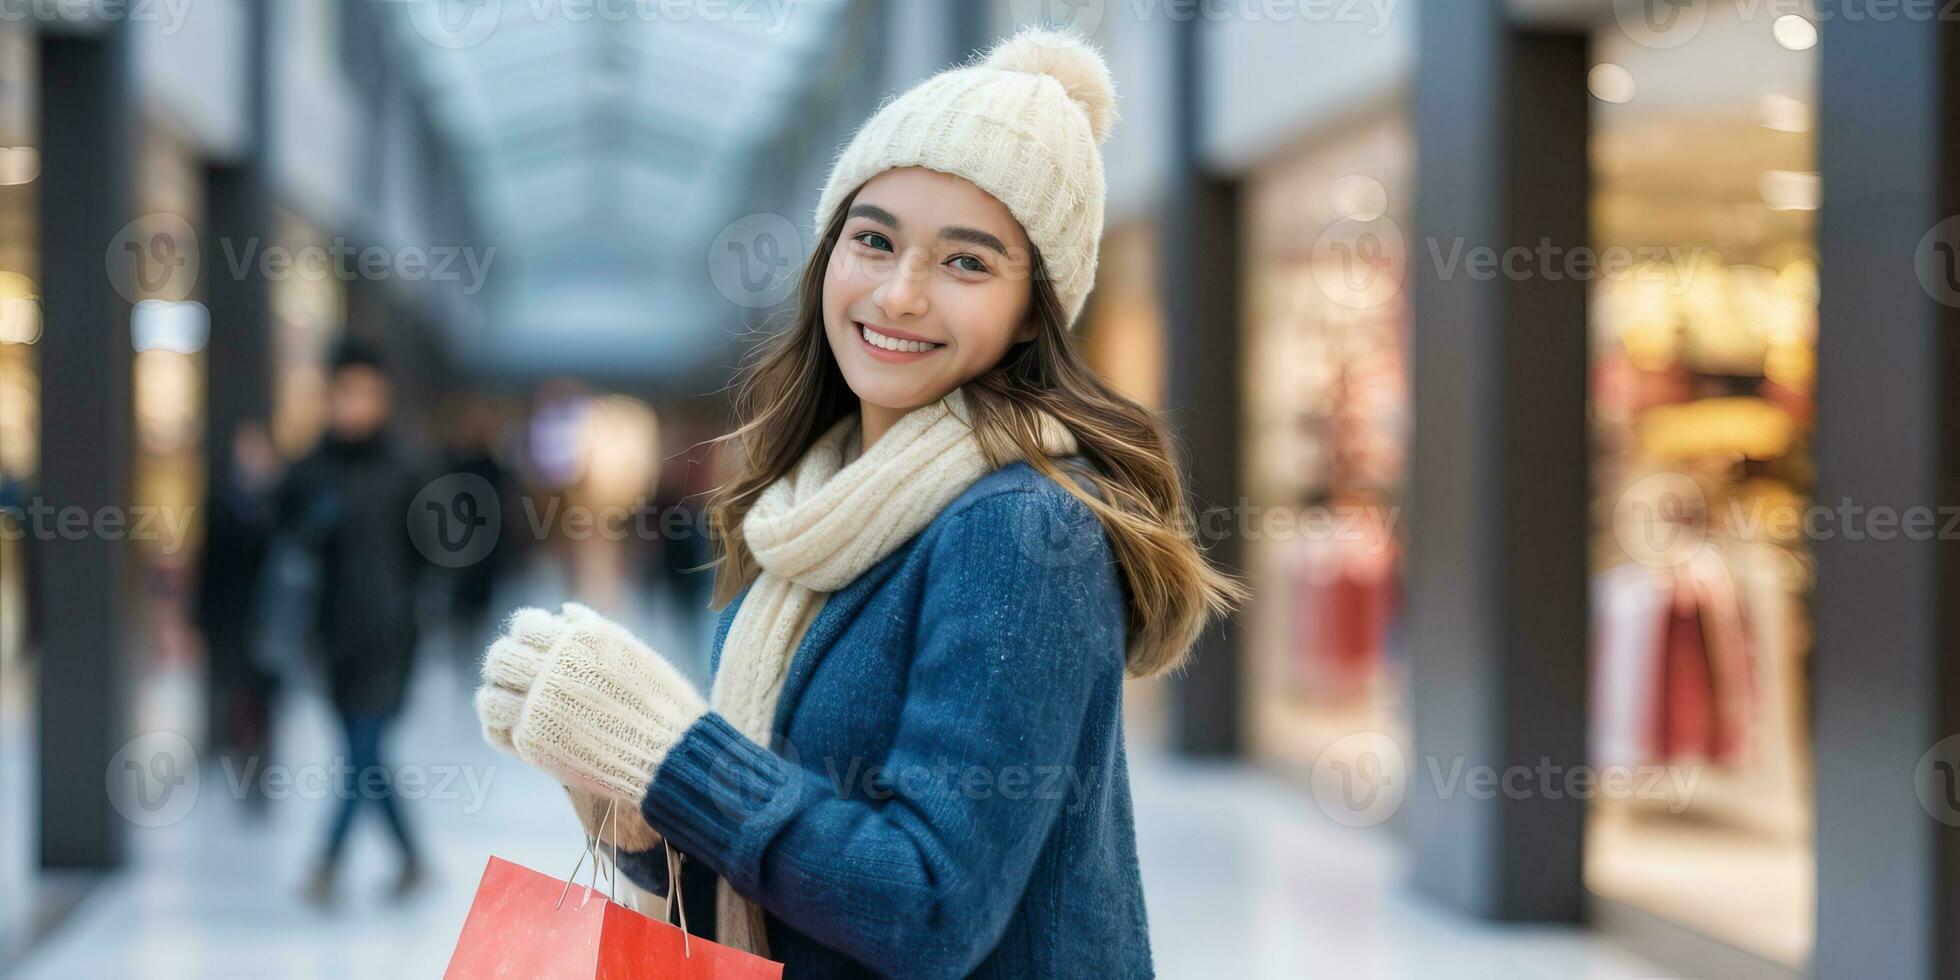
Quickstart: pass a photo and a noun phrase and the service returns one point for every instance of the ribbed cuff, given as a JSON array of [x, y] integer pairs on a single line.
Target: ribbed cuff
[[718, 797]]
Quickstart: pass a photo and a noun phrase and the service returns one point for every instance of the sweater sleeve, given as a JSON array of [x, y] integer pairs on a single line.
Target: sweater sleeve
[[921, 876]]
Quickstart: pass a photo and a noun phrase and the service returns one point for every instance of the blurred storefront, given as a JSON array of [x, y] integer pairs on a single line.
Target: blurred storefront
[[1326, 405], [1703, 354], [169, 330]]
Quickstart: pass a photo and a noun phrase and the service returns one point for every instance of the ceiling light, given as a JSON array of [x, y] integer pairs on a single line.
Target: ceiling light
[[1609, 82], [1794, 32]]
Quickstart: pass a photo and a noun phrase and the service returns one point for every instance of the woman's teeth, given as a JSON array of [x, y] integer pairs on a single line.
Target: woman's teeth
[[876, 339]]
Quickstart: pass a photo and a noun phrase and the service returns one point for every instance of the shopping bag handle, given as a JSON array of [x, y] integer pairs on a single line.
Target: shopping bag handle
[[612, 875]]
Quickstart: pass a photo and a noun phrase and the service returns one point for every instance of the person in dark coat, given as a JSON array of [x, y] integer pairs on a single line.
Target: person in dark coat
[[238, 514], [474, 583], [351, 498]]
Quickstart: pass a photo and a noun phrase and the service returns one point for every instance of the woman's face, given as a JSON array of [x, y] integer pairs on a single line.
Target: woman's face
[[927, 288]]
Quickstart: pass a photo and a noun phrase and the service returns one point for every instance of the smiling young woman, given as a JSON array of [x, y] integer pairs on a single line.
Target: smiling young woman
[[948, 544]]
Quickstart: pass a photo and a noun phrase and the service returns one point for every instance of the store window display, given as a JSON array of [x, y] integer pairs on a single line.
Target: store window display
[[1702, 406], [170, 328], [1325, 354]]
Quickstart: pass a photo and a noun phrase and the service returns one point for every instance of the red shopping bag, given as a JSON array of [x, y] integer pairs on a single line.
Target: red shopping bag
[[520, 928]]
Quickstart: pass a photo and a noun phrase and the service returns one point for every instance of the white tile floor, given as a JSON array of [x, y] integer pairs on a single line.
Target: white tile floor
[[1244, 879]]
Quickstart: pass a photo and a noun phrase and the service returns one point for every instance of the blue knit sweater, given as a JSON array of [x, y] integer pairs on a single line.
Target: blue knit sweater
[[948, 794]]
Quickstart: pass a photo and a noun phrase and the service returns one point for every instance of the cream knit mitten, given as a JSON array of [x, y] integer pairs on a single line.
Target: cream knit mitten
[[581, 698], [513, 662]]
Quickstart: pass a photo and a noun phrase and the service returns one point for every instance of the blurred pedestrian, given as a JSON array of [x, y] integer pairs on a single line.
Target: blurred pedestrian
[[476, 453], [238, 515], [352, 495]]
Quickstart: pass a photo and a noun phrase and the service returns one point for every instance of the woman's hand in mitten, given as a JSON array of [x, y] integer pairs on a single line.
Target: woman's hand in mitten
[[602, 710], [510, 666]]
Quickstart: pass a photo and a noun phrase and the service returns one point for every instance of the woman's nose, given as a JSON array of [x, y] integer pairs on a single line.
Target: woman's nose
[[904, 294]]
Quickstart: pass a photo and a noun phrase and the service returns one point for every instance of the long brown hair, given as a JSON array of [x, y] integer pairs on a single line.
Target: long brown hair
[[790, 391]]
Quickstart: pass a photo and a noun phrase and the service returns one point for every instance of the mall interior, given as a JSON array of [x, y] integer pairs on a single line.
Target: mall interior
[[1567, 379]]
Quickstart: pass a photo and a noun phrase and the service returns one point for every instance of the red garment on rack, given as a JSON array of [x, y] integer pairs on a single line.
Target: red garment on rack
[[1685, 722], [1708, 687]]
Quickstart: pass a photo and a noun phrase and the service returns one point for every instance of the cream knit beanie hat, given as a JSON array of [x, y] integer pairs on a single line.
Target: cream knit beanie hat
[[1024, 124]]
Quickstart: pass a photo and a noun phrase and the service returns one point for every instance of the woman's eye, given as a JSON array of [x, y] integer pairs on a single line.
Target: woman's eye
[[874, 240], [962, 263]]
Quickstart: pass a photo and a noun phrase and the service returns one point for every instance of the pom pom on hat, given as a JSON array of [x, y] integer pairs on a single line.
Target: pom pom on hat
[[1067, 58]]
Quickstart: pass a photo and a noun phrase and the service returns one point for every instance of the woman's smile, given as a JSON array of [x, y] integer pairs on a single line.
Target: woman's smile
[[895, 346]]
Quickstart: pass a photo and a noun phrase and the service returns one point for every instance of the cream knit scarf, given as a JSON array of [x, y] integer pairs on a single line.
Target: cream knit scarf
[[813, 532]]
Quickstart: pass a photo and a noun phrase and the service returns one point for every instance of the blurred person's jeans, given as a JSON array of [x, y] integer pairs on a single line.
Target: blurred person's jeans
[[364, 733]]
